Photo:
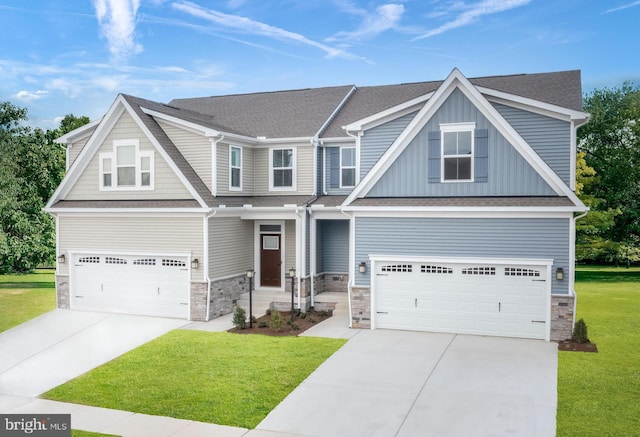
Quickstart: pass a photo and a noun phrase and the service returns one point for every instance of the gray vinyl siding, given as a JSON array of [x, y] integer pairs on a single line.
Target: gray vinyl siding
[[74, 149], [334, 257], [509, 174], [377, 140], [159, 235], [231, 242], [166, 183], [525, 238], [290, 246], [195, 148], [549, 137], [305, 183]]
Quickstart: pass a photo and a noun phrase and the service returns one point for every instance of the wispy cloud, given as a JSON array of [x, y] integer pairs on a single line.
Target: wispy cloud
[[385, 17], [622, 7], [29, 95], [249, 26], [117, 19], [468, 14]]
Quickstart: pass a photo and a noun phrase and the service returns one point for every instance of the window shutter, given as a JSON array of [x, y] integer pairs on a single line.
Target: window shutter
[[434, 157], [481, 152], [334, 167]]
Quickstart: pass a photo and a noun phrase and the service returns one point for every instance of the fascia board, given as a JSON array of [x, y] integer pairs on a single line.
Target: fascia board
[[76, 134], [336, 140], [272, 141], [403, 209], [164, 154], [458, 214], [389, 113], [126, 211]]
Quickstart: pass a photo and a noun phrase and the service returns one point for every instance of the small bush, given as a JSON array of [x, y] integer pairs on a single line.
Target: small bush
[[276, 320], [294, 326], [580, 332], [239, 317], [253, 319], [311, 319], [262, 324], [268, 312]]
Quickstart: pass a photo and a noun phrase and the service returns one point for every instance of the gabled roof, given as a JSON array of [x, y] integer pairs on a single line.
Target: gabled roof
[[281, 114]]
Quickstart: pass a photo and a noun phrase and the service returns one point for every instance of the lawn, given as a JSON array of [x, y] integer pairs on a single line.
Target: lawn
[[599, 393], [222, 378], [23, 297]]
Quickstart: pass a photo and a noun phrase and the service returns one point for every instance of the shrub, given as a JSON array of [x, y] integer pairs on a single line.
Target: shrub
[[580, 332], [276, 320], [262, 324], [294, 326], [268, 312], [239, 317]]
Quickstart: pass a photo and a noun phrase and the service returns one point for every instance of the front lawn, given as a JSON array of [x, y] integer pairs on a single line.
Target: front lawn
[[222, 378], [599, 393], [23, 297]]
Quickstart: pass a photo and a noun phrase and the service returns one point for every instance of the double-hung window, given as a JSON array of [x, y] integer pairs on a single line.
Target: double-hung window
[[457, 152], [282, 169], [126, 167], [347, 167], [235, 168]]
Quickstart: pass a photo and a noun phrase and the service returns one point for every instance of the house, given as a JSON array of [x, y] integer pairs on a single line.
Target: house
[[439, 206]]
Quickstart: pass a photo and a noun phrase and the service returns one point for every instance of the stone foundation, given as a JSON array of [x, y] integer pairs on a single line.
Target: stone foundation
[[335, 282], [62, 291], [225, 293], [360, 307], [198, 301], [562, 317]]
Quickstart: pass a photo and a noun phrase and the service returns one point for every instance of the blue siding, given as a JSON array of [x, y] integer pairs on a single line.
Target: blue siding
[[376, 141], [549, 137], [509, 174], [469, 238], [319, 246], [334, 253]]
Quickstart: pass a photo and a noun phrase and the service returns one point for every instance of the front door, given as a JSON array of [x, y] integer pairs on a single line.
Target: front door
[[270, 261]]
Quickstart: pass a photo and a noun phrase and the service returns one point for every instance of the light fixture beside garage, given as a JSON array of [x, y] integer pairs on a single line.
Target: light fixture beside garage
[[559, 273], [195, 264], [61, 258], [362, 268]]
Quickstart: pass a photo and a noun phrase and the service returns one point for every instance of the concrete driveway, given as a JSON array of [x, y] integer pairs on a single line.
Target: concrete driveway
[[60, 345], [400, 383]]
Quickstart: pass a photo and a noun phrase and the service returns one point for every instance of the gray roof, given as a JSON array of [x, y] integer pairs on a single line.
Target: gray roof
[[330, 201], [153, 204], [554, 201]]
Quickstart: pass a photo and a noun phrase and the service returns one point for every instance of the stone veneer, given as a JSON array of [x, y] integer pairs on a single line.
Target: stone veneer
[[360, 307], [62, 291], [335, 282], [562, 317], [225, 293]]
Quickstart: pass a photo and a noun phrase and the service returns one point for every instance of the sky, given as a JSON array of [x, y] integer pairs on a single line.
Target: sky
[[76, 56]]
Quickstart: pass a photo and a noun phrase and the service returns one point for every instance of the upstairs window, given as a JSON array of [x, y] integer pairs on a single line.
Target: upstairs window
[[235, 168], [347, 167], [282, 169], [457, 152], [126, 167]]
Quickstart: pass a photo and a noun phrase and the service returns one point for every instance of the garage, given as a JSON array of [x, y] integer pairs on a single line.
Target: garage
[[131, 284], [507, 298]]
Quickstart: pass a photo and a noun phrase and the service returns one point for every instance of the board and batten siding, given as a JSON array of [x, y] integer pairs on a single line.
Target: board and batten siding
[[509, 173], [166, 183], [230, 246], [223, 167], [305, 183], [525, 238], [335, 246], [549, 137], [377, 140], [195, 148], [157, 235]]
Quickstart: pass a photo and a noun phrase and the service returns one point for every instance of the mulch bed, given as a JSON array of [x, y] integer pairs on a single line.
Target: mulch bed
[[574, 346], [311, 318]]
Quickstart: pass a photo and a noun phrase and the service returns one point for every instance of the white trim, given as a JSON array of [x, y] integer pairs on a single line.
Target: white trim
[[257, 250], [456, 128], [573, 155], [390, 211], [353, 167], [131, 212], [231, 167], [293, 169], [138, 156], [78, 133]]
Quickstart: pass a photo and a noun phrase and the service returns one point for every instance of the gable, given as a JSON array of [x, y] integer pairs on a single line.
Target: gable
[[508, 173], [167, 185]]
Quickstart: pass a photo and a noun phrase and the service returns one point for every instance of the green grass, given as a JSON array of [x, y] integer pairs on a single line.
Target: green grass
[[23, 297], [79, 433], [599, 393], [222, 378]]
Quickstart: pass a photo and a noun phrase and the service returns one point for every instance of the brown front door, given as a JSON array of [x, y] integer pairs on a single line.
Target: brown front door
[[270, 262]]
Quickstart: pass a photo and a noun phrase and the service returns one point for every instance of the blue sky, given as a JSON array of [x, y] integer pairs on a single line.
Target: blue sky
[[75, 56]]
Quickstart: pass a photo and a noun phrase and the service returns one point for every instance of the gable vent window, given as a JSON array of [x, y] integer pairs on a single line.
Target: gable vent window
[[436, 269], [517, 271], [89, 260], [126, 167], [113, 260], [144, 262], [406, 268], [173, 263], [487, 271]]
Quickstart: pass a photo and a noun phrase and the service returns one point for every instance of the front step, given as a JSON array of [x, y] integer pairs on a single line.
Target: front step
[[264, 300]]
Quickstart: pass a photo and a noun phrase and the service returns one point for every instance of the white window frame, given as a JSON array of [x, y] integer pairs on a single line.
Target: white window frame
[[349, 167], [293, 169], [113, 156], [232, 167], [456, 127]]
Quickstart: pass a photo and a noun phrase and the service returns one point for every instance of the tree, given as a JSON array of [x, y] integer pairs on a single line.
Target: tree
[[31, 167]]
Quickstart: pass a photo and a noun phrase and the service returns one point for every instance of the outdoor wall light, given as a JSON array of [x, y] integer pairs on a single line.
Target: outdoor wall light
[[61, 259], [195, 263], [292, 272], [559, 273], [362, 268]]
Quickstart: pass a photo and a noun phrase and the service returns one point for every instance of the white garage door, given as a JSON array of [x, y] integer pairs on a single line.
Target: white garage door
[[145, 285], [466, 298]]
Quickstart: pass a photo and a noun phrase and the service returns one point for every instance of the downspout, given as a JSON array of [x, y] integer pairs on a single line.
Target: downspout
[[352, 258], [214, 164], [206, 262]]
